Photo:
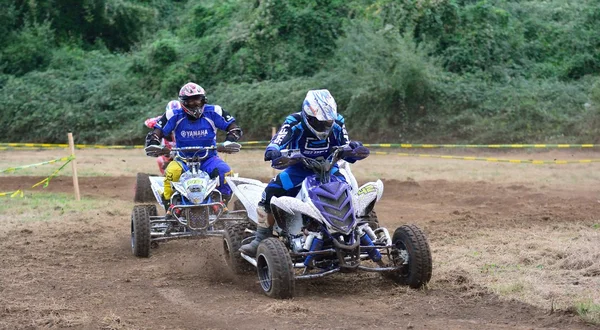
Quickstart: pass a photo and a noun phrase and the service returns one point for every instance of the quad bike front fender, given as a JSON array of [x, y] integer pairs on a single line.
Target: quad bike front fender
[[248, 192], [367, 194], [157, 184]]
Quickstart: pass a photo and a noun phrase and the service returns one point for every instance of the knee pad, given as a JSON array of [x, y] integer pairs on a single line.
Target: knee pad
[[262, 217]]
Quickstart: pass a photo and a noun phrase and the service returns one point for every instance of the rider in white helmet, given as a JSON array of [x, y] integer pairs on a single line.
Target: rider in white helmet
[[315, 131]]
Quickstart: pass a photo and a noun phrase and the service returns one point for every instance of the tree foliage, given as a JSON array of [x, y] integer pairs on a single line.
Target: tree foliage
[[401, 70], [118, 23]]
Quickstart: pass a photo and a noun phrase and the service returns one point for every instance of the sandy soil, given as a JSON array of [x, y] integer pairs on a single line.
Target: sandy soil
[[77, 270]]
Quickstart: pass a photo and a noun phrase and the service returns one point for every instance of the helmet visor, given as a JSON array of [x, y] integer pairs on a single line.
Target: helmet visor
[[320, 126], [194, 105]]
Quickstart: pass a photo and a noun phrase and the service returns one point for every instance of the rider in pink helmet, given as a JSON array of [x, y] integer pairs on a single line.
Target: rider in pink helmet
[[194, 123], [169, 142]]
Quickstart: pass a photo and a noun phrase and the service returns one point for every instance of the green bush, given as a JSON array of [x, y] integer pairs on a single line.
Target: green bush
[[260, 106], [27, 49], [123, 24], [272, 39], [384, 81], [117, 23], [163, 52], [8, 17], [522, 111], [92, 98]]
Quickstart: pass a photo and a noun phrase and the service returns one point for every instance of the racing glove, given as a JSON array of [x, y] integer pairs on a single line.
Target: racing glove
[[357, 152], [355, 144], [229, 147], [271, 154], [152, 140]]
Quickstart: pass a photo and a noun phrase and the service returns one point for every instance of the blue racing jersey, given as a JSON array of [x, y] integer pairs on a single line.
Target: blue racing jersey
[[201, 132], [293, 134]]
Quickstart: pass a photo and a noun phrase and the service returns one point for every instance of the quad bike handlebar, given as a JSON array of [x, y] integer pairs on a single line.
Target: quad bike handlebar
[[226, 147], [320, 166], [291, 157]]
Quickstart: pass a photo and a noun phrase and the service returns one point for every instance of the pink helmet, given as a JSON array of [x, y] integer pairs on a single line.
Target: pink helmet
[[151, 122], [193, 99]]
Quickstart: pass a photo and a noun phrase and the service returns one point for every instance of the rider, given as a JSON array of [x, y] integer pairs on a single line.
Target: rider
[[315, 131], [167, 141], [195, 124]]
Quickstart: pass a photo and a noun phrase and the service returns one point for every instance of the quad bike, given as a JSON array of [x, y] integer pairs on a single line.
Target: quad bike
[[198, 208], [327, 228]]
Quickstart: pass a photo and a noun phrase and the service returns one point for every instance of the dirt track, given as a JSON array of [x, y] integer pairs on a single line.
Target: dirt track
[[80, 271]]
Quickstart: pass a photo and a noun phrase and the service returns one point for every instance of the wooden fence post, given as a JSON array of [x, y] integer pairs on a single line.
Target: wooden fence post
[[74, 167]]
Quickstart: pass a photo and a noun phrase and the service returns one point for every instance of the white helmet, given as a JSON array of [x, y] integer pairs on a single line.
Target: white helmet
[[319, 112]]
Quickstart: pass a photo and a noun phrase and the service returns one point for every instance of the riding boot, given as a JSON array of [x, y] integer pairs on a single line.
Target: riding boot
[[226, 199], [169, 209], [261, 234], [167, 205], [263, 231]]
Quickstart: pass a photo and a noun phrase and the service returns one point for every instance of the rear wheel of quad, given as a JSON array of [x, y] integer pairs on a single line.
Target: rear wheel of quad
[[235, 233], [411, 244], [140, 231], [275, 269], [143, 190]]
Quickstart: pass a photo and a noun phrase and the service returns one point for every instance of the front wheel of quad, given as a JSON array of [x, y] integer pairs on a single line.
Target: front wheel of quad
[[151, 208], [143, 189], [235, 233], [140, 231], [275, 269], [372, 220], [412, 249]]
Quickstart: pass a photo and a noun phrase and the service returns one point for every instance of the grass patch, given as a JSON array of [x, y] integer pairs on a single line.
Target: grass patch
[[531, 263], [42, 206], [589, 311], [511, 288]]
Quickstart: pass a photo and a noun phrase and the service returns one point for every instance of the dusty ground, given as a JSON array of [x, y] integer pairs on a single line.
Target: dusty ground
[[514, 246]]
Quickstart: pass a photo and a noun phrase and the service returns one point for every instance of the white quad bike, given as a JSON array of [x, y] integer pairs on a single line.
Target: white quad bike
[[198, 207], [327, 228]]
